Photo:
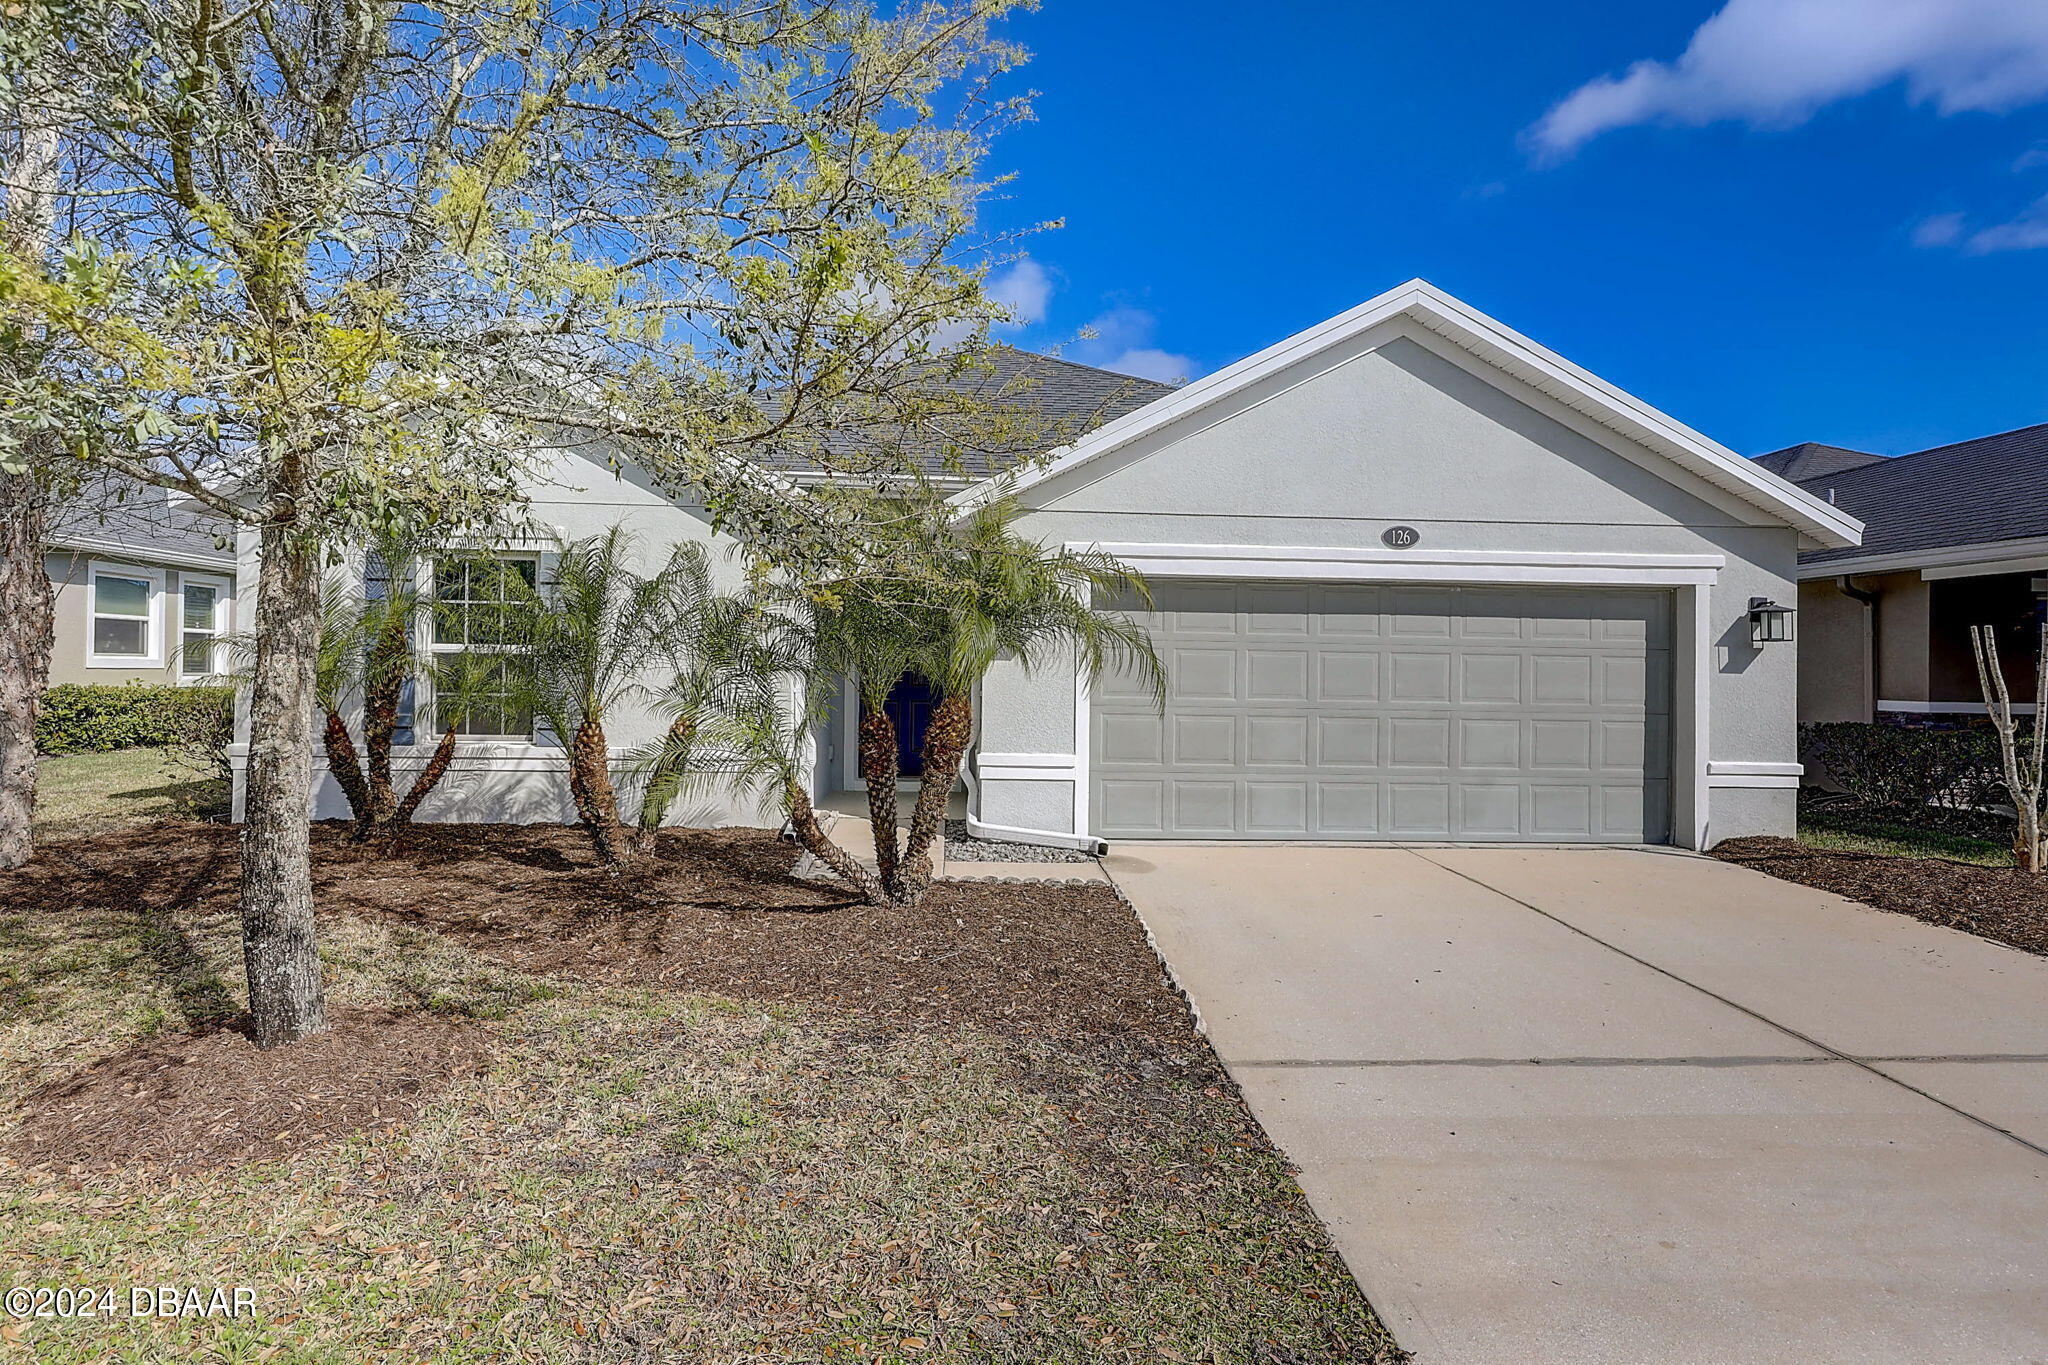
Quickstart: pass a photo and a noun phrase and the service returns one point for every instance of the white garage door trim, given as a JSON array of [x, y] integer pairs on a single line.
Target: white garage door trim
[[1690, 576]]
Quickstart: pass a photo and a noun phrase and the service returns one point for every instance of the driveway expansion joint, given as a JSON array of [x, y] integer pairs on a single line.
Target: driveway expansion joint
[[1834, 1053]]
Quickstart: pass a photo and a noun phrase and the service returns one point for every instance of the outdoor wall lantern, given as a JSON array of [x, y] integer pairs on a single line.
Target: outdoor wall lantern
[[1769, 623]]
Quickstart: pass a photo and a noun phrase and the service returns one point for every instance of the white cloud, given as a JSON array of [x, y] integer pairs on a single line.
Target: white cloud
[[1943, 229], [1025, 289], [1148, 363], [1774, 63], [2024, 233], [1122, 340]]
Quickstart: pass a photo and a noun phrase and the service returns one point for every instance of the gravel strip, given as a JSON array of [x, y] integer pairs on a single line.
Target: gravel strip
[[962, 848]]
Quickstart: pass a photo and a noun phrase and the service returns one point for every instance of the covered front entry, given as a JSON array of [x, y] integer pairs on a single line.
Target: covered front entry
[[1375, 711]]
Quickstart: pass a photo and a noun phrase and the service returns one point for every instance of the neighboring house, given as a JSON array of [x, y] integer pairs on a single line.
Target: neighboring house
[[1415, 578], [1956, 536], [145, 589]]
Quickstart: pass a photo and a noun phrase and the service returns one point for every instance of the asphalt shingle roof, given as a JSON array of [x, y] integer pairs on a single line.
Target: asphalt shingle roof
[[1988, 489], [1072, 397], [146, 521], [1811, 460]]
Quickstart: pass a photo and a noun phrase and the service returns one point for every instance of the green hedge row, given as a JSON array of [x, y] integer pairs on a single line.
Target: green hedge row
[[93, 718], [1892, 765]]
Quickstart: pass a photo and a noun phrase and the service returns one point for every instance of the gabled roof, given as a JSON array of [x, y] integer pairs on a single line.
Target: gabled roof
[[1974, 492], [1811, 460], [1506, 350]]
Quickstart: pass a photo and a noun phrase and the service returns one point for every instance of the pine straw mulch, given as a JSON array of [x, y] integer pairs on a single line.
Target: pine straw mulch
[[1998, 903], [710, 910], [197, 1099]]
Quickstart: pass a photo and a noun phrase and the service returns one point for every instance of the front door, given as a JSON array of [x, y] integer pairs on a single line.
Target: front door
[[910, 710]]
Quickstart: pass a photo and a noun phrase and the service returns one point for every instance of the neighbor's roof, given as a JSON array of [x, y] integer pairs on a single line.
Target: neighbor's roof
[[119, 517], [1072, 397], [1990, 489], [1811, 459]]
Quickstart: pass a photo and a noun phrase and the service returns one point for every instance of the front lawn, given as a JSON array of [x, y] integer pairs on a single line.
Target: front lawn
[[704, 1113], [78, 794]]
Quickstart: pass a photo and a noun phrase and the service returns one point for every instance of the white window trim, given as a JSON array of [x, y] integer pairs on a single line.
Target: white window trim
[[153, 620], [223, 623], [423, 687]]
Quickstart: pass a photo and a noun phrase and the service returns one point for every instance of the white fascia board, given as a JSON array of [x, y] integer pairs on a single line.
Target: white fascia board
[[142, 554], [1504, 348], [1945, 561]]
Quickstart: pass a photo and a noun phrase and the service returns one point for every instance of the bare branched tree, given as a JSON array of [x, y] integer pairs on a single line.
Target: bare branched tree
[[2022, 755]]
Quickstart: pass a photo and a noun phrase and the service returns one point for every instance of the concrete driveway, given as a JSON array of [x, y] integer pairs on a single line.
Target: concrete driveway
[[1578, 1105]]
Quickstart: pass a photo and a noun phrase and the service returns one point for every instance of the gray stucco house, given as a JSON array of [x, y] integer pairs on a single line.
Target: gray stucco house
[[144, 587], [1416, 578]]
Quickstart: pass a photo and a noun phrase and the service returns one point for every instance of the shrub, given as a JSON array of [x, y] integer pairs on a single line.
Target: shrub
[[95, 718], [1890, 765]]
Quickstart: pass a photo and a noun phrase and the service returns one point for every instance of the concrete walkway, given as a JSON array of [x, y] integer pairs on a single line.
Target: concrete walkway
[[1596, 1105]]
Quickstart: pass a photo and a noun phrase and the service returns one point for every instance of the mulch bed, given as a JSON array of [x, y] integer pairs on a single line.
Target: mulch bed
[[711, 910], [2000, 903], [210, 1098]]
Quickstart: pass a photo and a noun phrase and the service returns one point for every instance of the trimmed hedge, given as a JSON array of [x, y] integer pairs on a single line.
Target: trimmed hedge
[[1892, 765], [95, 718]]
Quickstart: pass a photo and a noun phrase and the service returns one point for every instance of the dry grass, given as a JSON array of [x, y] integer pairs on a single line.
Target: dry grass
[[79, 794], [646, 1175]]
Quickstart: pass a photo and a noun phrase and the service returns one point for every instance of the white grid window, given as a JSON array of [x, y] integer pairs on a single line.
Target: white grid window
[[473, 602]]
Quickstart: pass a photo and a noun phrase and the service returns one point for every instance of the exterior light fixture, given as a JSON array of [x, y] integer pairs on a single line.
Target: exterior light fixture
[[1769, 623]]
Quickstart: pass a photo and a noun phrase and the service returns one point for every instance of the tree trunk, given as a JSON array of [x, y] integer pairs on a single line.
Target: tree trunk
[[590, 785], [25, 626], [345, 765], [803, 820], [428, 779], [665, 778], [278, 945], [945, 743], [26, 232], [878, 770]]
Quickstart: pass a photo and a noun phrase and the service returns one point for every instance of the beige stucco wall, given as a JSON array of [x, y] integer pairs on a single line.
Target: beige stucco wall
[[72, 634], [1834, 654]]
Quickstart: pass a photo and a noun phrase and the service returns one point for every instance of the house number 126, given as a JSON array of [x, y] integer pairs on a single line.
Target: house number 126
[[1400, 537]]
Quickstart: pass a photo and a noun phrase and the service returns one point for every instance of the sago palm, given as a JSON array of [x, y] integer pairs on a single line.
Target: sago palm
[[997, 594], [585, 644], [724, 666]]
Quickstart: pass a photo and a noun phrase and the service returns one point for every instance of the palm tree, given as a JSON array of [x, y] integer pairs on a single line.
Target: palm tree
[[999, 594], [766, 760], [337, 674], [462, 683], [389, 640], [726, 665], [583, 648]]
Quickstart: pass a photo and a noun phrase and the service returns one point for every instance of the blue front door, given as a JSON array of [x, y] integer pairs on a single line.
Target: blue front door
[[910, 710]]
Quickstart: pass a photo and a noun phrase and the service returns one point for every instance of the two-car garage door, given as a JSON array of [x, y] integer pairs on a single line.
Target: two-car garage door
[[1311, 711]]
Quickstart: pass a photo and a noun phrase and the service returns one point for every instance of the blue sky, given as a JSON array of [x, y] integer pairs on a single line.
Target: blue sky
[[1814, 225]]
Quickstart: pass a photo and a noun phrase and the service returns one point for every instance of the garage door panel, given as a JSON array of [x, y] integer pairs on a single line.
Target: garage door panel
[[1348, 675], [1204, 741], [1205, 807], [1304, 711], [1279, 675], [1490, 743]]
